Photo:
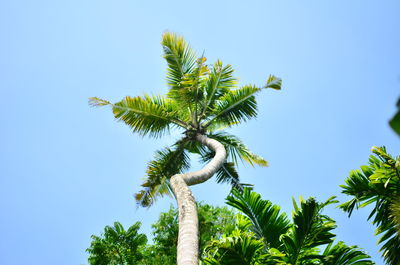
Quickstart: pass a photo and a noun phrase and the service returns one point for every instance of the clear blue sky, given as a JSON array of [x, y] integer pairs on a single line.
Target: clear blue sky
[[67, 170]]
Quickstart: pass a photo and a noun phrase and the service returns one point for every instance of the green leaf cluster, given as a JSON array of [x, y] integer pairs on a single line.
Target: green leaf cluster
[[117, 246], [378, 184], [264, 235], [255, 232], [213, 222]]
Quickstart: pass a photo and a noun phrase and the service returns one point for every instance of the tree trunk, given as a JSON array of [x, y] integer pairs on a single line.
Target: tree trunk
[[188, 237]]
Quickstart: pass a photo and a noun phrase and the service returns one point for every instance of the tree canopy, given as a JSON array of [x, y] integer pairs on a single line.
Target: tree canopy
[[264, 235], [117, 246], [255, 232]]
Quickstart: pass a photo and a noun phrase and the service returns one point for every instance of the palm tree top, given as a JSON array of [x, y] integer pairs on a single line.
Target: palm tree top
[[202, 99]]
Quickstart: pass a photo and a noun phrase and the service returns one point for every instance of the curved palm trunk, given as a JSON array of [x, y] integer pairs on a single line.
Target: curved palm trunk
[[188, 238]]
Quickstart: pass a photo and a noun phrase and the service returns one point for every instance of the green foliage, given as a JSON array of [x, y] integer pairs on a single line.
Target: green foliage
[[117, 246], [227, 173], [237, 248], [268, 223], [213, 222], [148, 115], [266, 236], [165, 235], [395, 121], [236, 149], [310, 230], [341, 254], [220, 81], [236, 106], [201, 100], [378, 184], [181, 59], [167, 162], [259, 235]]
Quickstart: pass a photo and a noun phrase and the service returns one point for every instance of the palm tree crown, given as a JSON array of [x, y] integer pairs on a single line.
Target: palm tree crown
[[202, 99]]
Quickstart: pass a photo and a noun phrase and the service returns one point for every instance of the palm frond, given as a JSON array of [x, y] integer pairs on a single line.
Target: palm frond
[[238, 248], [167, 163], [147, 115], [180, 57], [395, 120], [395, 213], [390, 241], [273, 82], [219, 82], [310, 229], [190, 92], [341, 254], [378, 184], [98, 102], [235, 106], [236, 149], [228, 174], [268, 223], [217, 127], [239, 105], [357, 184], [151, 191]]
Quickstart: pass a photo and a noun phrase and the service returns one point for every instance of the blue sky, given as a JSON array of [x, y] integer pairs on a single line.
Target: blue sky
[[67, 170]]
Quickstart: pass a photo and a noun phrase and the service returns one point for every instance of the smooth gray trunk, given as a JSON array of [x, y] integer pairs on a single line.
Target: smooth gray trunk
[[188, 237]]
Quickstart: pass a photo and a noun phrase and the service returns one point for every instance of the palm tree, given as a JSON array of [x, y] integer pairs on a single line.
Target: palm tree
[[378, 184], [202, 99], [265, 236]]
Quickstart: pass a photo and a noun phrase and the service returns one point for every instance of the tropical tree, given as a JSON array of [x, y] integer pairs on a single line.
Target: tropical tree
[[117, 246], [202, 99], [378, 184], [264, 235]]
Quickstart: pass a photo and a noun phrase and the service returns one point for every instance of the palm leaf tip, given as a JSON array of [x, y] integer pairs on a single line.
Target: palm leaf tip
[[237, 149], [274, 82], [254, 159], [180, 57], [98, 102], [142, 199]]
